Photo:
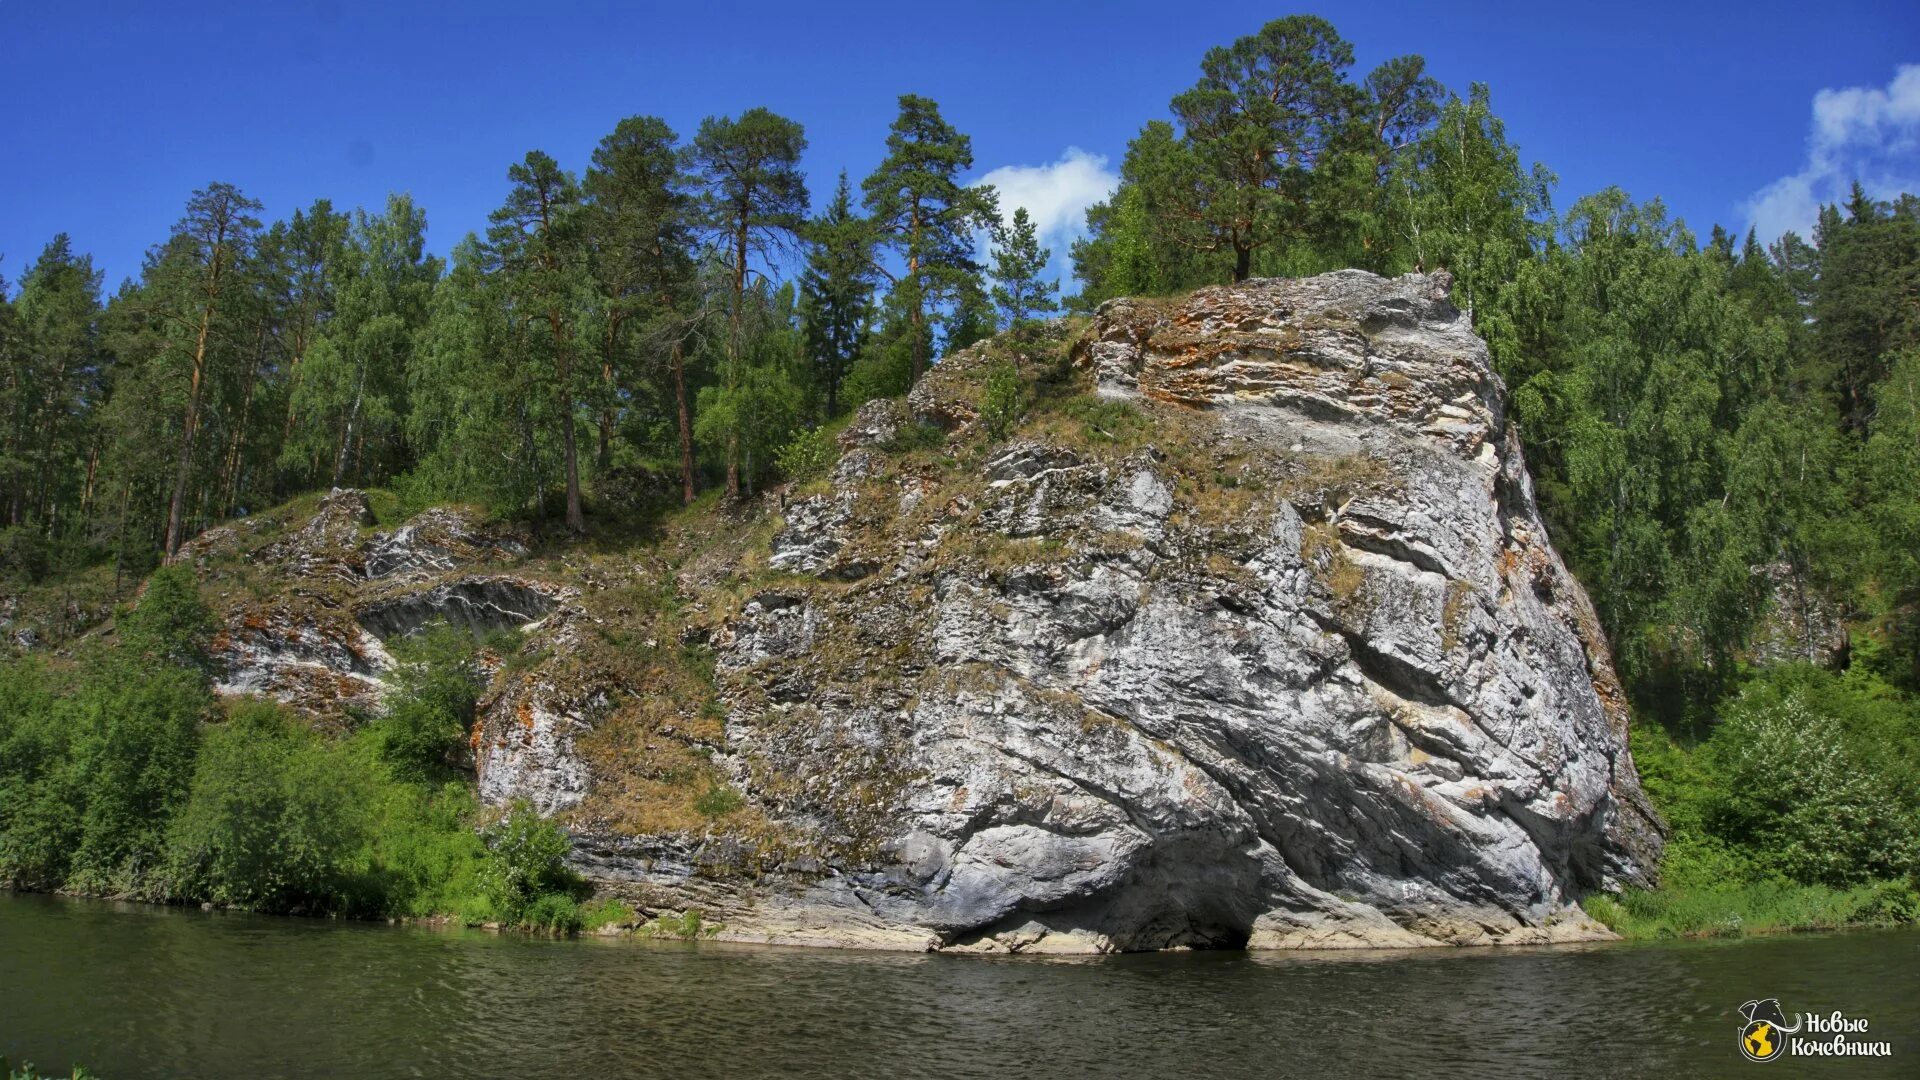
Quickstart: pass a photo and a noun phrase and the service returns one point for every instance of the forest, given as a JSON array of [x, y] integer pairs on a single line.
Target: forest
[[1724, 433]]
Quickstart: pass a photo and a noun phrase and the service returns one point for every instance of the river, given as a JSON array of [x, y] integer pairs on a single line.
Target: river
[[137, 991]]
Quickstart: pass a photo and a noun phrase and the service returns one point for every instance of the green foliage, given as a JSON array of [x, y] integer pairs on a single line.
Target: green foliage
[[424, 722], [689, 925], [526, 863], [808, 455], [718, 800], [885, 367], [277, 820], [1018, 263], [1460, 198], [347, 404], [1810, 796], [91, 768], [1800, 810], [170, 624], [1640, 381], [136, 735], [24, 554], [836, 293], [606, 912], [1762, 907], [921, 209], [918, 435], [41, 797], [1277, 165], [749, 422], [1103, 420], [1003, 401], [120, 777]]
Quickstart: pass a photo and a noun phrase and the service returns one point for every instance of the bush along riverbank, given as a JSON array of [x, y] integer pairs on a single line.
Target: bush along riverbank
[[1799, 811], [123, 775]]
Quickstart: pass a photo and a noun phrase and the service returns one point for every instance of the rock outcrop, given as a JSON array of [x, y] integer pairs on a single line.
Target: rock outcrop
[[1250, 635], [1308, 673]]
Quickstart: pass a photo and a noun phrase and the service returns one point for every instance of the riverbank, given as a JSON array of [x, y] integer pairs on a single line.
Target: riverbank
[[1762, 908]]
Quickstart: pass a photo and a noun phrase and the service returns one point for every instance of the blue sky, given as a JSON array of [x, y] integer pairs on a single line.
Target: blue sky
[[114, 113]]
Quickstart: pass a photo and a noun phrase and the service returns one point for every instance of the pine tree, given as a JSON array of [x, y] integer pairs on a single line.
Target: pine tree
[[536, 242], [1018, 263], [1268, 111], [836, 292], [640, 224], [754, 201], [55, 385], [921, 210], [214, 237]]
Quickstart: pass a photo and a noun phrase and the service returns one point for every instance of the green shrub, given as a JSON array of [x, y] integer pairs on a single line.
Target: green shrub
[[277, 820], [136, 733], [1103, 420], [423, 727], [1003, 402], [884, 370], [169, 624], [425, 852], [918, 435], [1795, 791], [555, 912], [689, 925], [718, 800], [40, 798], [807, 455], [607, 911], [25, 555], [526, 859]]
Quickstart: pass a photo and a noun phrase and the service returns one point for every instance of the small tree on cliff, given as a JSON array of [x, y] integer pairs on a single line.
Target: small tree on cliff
[[1018, 263], [922, 210]]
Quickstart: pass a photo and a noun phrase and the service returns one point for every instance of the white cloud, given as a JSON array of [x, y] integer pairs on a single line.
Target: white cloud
[[1870, 134], [1056, 196]]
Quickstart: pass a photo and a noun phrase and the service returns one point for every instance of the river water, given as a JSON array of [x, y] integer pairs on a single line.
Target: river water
[[136, 991]]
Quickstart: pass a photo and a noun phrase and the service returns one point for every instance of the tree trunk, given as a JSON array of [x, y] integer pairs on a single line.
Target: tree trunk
[[605, 455], [346, 432], [918, 363], [686, 424], [240, 432], [576, 520], [733, 352], [1242, 263], [93, 467], [49, 434], [183, 471]]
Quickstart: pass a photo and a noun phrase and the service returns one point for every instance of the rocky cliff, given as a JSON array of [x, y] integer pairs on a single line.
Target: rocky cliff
[[1247, 633]]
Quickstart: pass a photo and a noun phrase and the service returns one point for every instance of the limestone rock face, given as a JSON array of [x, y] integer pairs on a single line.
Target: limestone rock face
[[1310, 676], [323, 599], [1250, 634]]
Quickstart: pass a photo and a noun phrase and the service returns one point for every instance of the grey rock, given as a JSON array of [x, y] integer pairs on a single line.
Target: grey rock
[[1373, 710]]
